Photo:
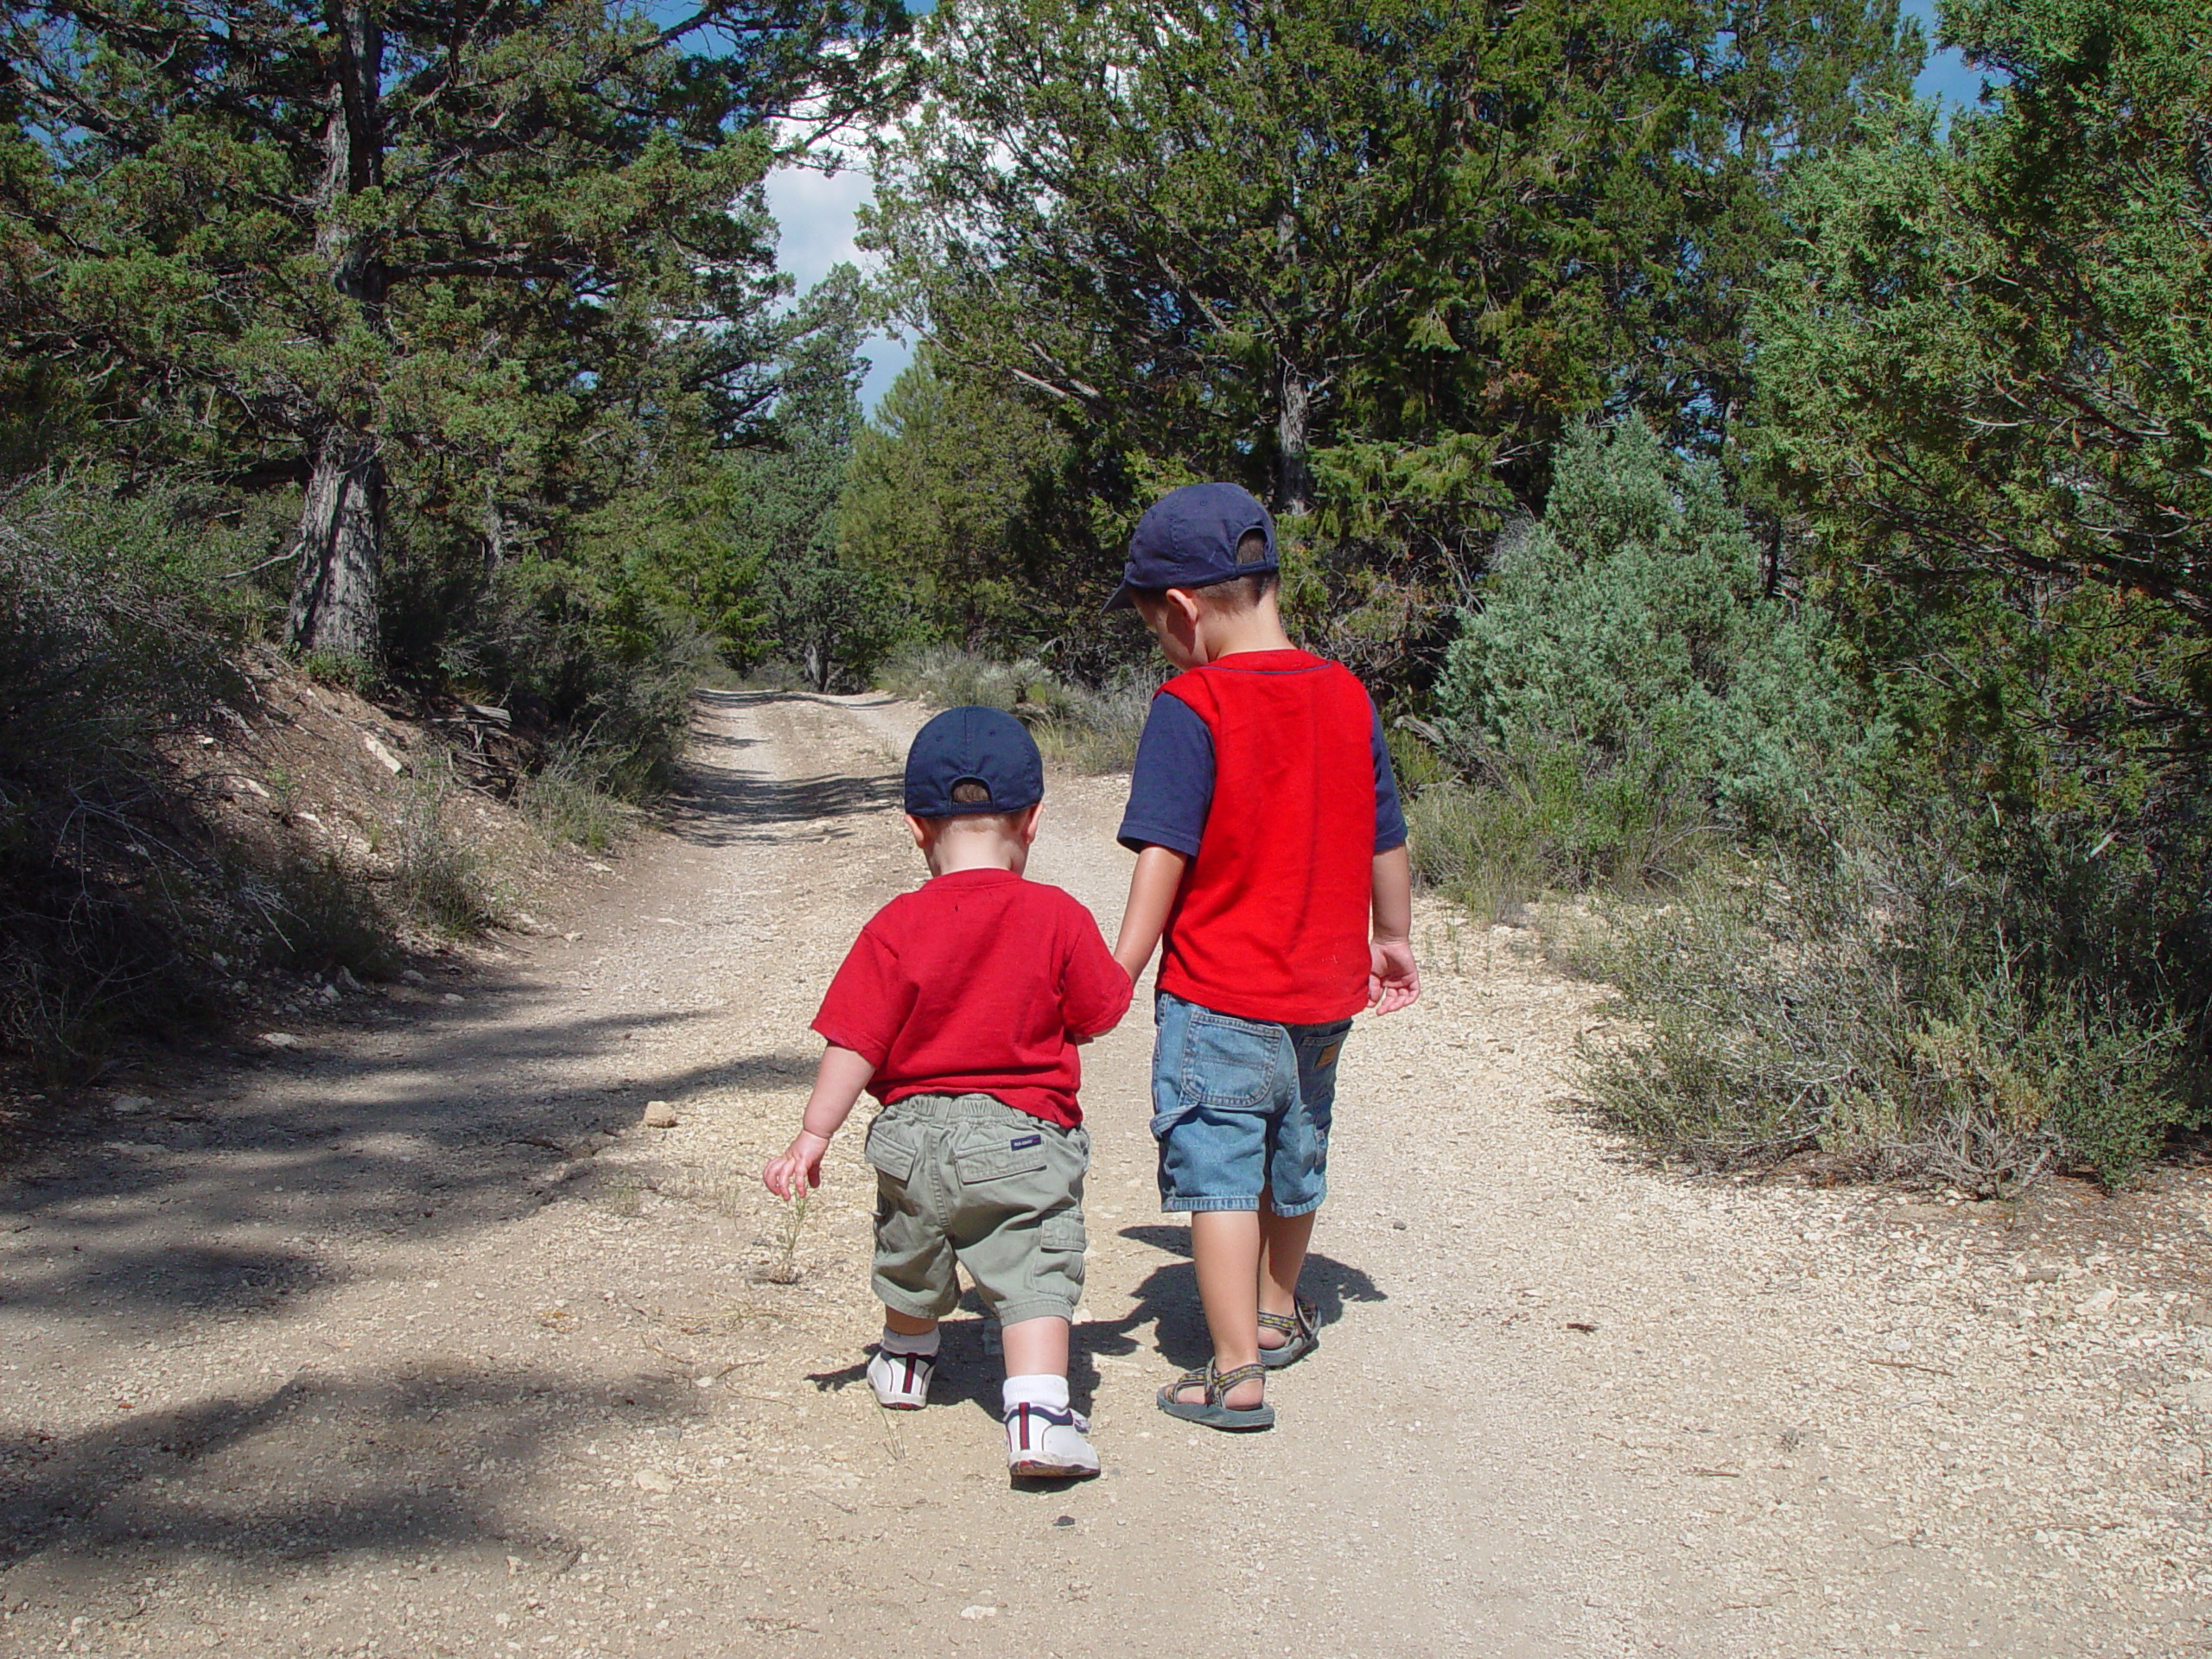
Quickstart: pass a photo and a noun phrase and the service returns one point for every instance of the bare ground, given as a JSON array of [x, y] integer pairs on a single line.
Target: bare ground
[[410, 1341]]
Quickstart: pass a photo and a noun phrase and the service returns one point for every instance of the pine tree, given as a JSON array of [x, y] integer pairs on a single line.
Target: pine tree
[[297, 243]]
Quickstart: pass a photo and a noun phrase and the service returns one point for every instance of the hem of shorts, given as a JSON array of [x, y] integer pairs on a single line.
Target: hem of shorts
[[1288, 1210], [1172, 1205], [1033, 1307], [900, 1302]]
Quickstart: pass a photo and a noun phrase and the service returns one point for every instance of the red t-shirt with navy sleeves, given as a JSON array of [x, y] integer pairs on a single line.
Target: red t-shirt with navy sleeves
[[1271, 921], [978, 983]]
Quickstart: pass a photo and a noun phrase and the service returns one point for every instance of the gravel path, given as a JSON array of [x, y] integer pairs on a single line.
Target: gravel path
[[412, 1342]]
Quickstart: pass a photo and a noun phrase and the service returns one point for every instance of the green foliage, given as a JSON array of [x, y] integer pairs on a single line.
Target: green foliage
[[1385, 250], [443, 879], [1990, 353], [1872, 999], [1626, 675], [794, 593], [1086, 728], [1982, 367], [494, 257], [938, 498], [565, 796], [339, 669], [113, 642], [587, 646], [1986, 360]]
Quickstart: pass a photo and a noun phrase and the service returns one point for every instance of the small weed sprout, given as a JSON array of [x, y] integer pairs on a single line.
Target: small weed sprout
[[785, 1270], [283, 790]]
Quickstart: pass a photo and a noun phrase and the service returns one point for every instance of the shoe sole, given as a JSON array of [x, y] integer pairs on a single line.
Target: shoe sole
[[900, 1405], [1267, 1356], [1030, 1471], [1227, 1418]]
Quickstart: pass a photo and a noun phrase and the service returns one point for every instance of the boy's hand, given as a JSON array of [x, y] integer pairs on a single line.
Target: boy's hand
[[1393, 976], [801, 1161]]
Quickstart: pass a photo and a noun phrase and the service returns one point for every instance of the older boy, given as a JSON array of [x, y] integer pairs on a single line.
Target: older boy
[[1268, 832], [960, 1008]]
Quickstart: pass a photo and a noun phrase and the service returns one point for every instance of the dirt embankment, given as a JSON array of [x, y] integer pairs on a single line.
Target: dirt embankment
[[321, 856], [412, 1340]]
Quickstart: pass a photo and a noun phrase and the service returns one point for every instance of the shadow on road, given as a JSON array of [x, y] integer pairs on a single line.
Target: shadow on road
[[317, 1467], [727, 802]]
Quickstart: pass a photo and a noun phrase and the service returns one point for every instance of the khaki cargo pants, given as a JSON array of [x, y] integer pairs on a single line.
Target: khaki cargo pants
[[968, 1178]]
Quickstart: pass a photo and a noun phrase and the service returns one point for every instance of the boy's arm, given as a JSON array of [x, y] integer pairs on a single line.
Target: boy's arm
[[1094, 989], [1152, 886], [837, 1084], [1393, 978]]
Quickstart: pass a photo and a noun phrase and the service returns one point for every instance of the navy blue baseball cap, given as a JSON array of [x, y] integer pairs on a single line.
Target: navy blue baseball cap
[[1188, 539], [973, 745]]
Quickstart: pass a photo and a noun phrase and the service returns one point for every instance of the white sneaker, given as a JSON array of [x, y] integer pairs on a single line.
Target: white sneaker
[[901, 1382], [1041, 1440]]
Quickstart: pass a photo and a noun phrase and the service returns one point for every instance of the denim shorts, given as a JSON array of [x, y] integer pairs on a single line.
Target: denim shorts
[[1240, 1107]]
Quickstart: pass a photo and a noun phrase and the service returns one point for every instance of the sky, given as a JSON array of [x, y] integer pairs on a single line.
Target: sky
[[814, 212], [814, 215]]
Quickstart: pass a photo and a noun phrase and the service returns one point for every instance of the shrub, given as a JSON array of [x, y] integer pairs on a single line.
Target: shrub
[[320, 917], [565, 798], [437, 875], [113, 637], [1088, 729], [587, 651], [1625, 681], [1548, 823], [948, 677], [1098, 728], [1873, 1001]]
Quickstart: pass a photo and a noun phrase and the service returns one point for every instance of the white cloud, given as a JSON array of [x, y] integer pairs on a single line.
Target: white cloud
[[814, 218]]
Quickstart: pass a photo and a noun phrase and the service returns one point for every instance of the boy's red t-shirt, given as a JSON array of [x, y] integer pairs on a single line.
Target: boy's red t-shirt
[[978, 983], [1271, 922]]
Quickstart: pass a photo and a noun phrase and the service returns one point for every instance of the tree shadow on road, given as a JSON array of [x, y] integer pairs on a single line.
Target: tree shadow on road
[[426, 1454], [724, 803]]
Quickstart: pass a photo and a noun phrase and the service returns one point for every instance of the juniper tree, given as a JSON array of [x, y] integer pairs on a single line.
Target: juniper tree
[[290, 242], [1396, 243]]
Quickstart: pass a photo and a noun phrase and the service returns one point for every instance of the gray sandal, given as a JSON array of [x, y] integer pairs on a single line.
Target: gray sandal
[[1211, 1411], [1300, 1327]]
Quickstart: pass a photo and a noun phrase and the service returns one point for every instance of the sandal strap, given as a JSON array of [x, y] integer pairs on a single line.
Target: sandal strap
[[1304, 1317], [1201, 1378], [1235, 1376], [1217, 1384]]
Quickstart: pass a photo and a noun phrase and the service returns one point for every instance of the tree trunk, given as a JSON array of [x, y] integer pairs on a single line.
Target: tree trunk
[[495, 530], [334, 594], [340, 539], [1293, 470]]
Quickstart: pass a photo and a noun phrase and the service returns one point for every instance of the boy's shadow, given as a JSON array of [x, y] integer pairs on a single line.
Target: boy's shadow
[[1168, 1301], [970, 1365]]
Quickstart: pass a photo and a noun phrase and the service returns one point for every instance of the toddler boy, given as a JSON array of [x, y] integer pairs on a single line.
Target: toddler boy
[[1267, 833], [960, 1008]]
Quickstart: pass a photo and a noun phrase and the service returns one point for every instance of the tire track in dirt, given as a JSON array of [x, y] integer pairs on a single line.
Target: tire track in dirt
[[415, 1343]]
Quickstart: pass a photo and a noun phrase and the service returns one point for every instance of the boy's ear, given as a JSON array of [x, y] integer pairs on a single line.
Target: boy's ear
[[1025, 827], [924, 830]]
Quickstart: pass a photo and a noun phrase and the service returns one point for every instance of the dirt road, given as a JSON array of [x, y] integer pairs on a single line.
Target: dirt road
[[411, 1342]]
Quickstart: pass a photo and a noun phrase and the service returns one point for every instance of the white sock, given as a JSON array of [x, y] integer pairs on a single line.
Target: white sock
[[897, 1342], [1039, 1388]]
